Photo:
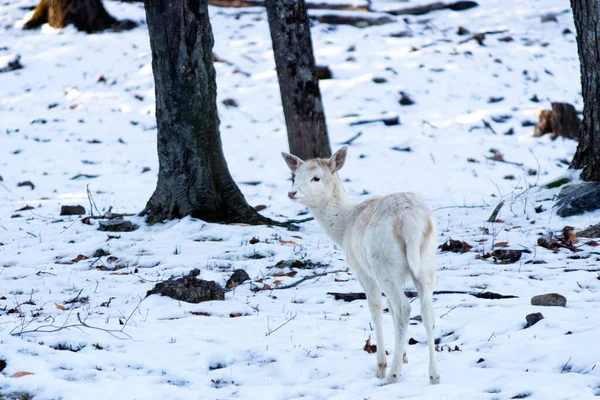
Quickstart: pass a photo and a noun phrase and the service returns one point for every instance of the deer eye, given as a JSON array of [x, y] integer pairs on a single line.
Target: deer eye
[[315, 179]]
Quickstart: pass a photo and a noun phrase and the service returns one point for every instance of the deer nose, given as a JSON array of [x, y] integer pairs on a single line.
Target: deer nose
[[292, 194]]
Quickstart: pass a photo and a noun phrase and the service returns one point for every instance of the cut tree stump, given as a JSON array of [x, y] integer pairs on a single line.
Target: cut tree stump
[[87, 15], [562, 120]]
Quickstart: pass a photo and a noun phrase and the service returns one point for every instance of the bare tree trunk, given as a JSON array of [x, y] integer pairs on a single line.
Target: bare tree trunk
[[298, 83], [193, 178], [87, 15], [586, 14]]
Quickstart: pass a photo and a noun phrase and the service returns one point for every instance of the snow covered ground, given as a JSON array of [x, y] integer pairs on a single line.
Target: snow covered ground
[[59, 120]]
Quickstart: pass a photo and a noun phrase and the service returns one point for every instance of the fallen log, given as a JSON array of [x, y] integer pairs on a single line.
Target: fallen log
[[427, 8], [412, 294]]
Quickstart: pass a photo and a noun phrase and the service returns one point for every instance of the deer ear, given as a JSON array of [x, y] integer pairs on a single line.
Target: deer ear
[[338, 159], [292, 162]]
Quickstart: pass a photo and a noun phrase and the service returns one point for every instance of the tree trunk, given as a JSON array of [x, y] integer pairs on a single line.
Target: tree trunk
[[193, 178], [298, 83], [87, 15], [586, 14]]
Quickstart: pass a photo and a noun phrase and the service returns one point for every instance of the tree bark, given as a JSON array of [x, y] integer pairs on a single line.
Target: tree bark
[[586, 14], [298, 83], [193, 178], [87, 15]]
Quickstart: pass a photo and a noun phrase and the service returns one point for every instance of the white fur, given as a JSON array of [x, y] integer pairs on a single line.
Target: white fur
[[385, 239]]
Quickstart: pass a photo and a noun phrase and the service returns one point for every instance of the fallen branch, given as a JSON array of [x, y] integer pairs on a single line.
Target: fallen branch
[[480, 37], [107, 215], [427, 8], [413, 294], [388, 121], [306, 278], [309, 5]]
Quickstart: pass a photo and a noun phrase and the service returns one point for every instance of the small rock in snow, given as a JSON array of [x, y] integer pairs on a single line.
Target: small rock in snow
[[72, 210], [238, 277], [533, 319], [549, 300], [189, 289]]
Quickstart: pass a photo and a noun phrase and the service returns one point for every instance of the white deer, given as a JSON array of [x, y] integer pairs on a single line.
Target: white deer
[[385, 239]]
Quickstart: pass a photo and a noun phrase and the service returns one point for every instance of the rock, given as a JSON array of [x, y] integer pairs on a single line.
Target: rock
[[562, 120], [323, 72], [100, 253], [2, 365], [533, 319], [592, 231], [461, 31], [238, 277], [508, 256], [549, 300], [586, 197], [229, 102], [405, 99], [189, 289], [116, 225], [72, 210]]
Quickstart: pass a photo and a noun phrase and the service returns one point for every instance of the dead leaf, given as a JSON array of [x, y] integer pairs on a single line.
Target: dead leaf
[[235, 315], [345, 314], [341, 280], [501, 244], [455, 246], [26, 208], [290, 274], [60, 307], [569, 235], [297, 237], [266, 287], [20, 374], [592, 243], [79, 258], [203, 313], [276, 282], [288, 242], [16, 216], [120, 273], [254, 240], [261, 280], [112, 259], [370, 348]]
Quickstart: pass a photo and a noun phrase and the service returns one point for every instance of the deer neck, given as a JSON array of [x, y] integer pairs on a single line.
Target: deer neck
[[333, 214]]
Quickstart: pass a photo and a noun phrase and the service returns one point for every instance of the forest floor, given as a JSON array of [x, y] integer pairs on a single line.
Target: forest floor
[[80, 114]]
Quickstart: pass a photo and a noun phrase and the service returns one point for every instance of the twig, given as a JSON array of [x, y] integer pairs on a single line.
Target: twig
[[449, 311], [91, 200], [494, 214], [107, 215], [74, 299], [565, 366], [446, 207], [82, 323], [352, 139], [280, 326]]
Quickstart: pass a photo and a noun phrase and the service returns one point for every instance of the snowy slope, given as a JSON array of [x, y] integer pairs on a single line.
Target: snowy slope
[[58, 121]]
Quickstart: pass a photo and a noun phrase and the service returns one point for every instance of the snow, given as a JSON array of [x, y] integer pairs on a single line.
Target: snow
[[297, 342]]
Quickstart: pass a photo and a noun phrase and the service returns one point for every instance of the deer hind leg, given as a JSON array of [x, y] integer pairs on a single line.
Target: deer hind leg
[[400, 314], [373, 293], [425, 291]]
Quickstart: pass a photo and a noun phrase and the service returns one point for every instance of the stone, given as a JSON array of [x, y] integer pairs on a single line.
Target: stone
[[533, 319], [549, 300], [189, 288], [238, 277], [592, 231], [116, 225], [72, 210], [583, 198]]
